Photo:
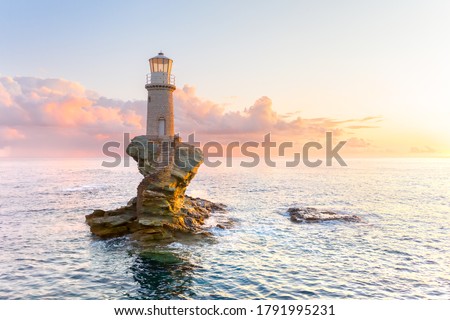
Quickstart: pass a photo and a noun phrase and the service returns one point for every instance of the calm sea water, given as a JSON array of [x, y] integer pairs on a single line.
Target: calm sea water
[[401, 250]]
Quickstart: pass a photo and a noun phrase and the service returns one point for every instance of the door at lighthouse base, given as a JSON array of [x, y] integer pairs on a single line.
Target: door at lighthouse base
[[162, 127]]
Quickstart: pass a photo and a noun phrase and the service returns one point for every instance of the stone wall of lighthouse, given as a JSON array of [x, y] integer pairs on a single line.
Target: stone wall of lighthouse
[[160, 114]]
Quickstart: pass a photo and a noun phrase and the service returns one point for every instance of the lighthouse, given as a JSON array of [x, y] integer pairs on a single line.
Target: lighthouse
[[160, 86]]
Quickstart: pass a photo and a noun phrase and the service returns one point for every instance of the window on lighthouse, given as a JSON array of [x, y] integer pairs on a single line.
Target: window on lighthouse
[[162, 127], [158, 65], [161, 65]]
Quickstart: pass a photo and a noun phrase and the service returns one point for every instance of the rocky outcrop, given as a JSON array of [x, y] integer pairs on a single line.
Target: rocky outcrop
[[125, 220], [160, 210], [309, 214]]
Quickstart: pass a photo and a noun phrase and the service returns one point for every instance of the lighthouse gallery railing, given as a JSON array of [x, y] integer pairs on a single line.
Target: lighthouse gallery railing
[[170, 80]]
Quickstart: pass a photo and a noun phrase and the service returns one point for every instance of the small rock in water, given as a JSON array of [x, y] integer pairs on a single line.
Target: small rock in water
[[309, 214]]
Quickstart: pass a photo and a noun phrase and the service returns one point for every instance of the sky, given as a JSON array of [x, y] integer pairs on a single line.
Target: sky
[[375, 73]]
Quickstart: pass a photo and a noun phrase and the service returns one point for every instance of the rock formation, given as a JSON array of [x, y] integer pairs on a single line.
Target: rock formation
[[308, 214], [160, 210]]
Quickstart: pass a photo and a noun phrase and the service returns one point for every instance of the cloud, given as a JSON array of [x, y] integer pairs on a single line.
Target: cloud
[[46, 117], [362, 127], [5, 97], [357, 143], [5, 152], [57, 116], [206, 117], [426, 149], [61, 103], [10, 134]]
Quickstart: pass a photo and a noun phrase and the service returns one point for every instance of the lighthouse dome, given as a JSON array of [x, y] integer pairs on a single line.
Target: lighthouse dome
[[160, 55]]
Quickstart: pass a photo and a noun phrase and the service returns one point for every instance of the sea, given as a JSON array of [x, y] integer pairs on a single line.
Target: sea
[[400, 249]]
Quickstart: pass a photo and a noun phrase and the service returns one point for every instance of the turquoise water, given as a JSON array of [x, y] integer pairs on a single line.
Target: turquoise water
[[400, 250]]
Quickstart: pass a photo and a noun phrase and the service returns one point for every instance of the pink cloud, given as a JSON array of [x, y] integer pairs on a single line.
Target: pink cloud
[[58, 102], [211, 119], [10, 134], [47, 117], [56, 116], [5, 152], [5, 97]]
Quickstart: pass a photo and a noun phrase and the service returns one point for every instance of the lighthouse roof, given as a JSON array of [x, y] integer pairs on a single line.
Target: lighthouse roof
[[161, 55]]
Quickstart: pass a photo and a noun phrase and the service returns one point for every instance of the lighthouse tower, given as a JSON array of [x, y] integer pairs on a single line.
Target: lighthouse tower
[[160, 86]]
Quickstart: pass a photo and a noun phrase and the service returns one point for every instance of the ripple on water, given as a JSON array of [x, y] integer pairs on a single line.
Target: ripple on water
[[400, 251]]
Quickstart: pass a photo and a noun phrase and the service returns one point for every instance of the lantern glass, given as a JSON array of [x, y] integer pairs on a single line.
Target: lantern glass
[[161, 65]]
